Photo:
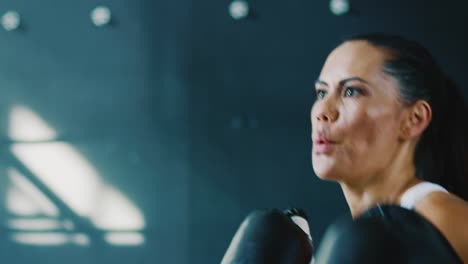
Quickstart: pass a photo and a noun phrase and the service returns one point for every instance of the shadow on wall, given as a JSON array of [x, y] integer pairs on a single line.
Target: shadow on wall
[[56, 197]]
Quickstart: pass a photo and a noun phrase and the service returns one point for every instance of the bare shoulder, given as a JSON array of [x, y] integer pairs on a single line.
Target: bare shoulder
[[449, 214]]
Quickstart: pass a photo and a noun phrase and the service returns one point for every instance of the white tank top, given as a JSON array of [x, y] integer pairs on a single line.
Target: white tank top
[[413, 195]]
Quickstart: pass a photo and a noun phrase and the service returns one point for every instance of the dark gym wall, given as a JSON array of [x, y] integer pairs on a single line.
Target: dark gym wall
[[195, 117], [118, 96], [251, 91]]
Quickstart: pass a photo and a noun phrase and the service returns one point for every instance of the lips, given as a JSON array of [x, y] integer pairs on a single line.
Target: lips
[[324, 141], [321, 138], [323, 144]]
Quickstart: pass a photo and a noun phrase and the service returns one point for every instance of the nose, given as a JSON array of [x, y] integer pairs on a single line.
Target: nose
[[325, 111]]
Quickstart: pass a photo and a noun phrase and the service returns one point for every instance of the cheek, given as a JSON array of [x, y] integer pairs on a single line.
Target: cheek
[[372, 137], [368, 136]]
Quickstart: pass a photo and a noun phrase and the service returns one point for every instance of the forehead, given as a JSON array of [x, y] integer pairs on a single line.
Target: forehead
[[353, 59]]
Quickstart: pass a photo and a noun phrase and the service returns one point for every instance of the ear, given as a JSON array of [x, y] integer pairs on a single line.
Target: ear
[[416, 120]]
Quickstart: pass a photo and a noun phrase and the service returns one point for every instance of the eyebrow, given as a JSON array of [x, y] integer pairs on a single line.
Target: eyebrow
[[342, 82]]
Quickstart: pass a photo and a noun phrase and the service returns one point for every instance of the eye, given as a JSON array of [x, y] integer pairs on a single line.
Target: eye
[[320, 93], [352, 92]]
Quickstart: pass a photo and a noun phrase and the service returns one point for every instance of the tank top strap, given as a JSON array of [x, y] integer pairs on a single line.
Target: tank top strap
[[414, 194]]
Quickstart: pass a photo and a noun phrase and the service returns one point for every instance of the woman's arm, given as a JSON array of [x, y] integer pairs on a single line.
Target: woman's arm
[[449, 214]]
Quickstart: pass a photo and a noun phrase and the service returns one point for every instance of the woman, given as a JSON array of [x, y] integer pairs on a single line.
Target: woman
[[390, 128]]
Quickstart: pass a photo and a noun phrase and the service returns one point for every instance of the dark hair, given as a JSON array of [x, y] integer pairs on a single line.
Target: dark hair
[[442, 152]]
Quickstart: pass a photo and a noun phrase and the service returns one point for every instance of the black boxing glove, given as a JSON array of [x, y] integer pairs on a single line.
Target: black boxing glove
[[271, 237], [385, 234]]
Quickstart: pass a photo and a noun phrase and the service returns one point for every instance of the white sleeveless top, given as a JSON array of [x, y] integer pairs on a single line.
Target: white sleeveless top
[[413, 195]]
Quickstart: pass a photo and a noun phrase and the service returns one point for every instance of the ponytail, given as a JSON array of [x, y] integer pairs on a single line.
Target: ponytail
[[442, 153]]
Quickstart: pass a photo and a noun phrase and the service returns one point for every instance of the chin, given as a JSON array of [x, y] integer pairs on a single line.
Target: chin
[[325, 169], [326, 176]]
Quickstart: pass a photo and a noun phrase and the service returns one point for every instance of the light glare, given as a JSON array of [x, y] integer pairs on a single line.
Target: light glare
[[125, 239], [239, 9], [24, 198], [25, 125]]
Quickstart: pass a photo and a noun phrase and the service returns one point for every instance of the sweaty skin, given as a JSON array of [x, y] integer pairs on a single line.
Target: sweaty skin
[[364, 137]]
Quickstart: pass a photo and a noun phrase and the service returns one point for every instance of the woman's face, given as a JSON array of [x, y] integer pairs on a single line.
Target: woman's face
[[356, 117]]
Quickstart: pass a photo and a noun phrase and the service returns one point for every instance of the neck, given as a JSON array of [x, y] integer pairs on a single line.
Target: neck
[[385, 187]]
